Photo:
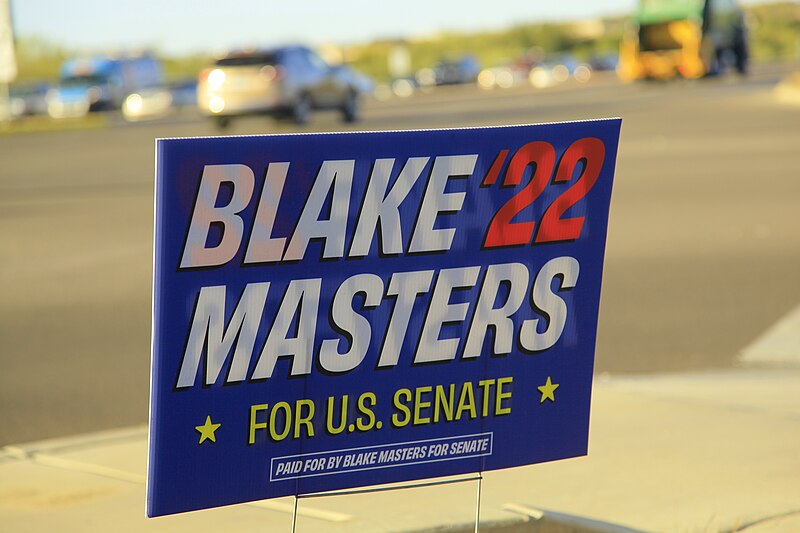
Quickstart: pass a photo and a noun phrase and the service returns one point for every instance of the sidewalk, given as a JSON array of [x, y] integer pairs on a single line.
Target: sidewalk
[[708, 452], [788, 90]]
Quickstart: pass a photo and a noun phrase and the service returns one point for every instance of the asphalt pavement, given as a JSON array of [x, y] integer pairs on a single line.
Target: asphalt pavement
[[703, 247], [695, 422]]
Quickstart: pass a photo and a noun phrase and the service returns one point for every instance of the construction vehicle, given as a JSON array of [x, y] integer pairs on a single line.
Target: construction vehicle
[[665, 39]]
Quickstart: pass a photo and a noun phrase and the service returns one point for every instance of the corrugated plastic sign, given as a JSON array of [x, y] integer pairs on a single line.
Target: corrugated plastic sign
[[351, 309]]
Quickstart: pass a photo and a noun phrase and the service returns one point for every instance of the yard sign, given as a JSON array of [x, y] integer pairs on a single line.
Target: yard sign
[[350, 309]]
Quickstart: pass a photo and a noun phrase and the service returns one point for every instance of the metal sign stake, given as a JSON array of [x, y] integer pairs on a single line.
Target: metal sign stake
[[294, 515], [478, 503], [477, 477]]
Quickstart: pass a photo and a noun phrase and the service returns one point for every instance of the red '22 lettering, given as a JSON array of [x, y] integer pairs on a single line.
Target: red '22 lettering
[[552, 227]]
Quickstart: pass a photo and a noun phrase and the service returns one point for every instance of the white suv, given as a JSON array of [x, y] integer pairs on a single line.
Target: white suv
[[287, 82]]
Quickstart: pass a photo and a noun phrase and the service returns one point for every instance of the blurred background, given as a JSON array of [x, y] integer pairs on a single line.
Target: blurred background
[[702, 273], [704, 244], [143, 60]]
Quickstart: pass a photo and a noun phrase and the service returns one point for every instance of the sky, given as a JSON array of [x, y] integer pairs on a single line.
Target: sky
[[186, 26]]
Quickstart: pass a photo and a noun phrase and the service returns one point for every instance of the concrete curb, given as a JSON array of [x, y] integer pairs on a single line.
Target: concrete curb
[[778, 346], [788, 91]]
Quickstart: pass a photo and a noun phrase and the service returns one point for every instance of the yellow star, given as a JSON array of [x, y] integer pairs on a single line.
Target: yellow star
[[547, 391], [207, 431]]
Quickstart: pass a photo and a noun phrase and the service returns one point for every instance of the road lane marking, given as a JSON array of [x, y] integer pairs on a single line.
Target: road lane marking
[[778, 346]]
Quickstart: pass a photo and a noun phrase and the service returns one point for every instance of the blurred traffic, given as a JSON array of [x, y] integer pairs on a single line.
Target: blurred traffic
[[659, 40]]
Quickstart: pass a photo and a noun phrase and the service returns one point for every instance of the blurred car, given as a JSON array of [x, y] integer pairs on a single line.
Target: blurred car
[[184, 93], [29, 99], [604, 62], [504, 77], [464, 69], [511, 73], [101, 83], [557, 69], [285, 82], [159, 101], [148, 103], [404, 87]]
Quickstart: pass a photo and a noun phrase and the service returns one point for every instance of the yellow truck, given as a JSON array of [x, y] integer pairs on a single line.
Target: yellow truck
[[665, 39]]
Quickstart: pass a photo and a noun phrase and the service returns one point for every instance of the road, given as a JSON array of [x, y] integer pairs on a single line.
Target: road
[[703, 250]]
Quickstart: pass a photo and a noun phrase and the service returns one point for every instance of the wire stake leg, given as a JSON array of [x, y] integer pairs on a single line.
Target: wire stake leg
[[294, 515], [478, 503]]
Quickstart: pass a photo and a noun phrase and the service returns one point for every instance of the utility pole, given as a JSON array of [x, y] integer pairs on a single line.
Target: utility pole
[[8, 62]]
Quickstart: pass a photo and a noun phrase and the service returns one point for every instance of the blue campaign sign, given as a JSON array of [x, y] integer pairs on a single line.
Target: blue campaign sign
[[351, 309]]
